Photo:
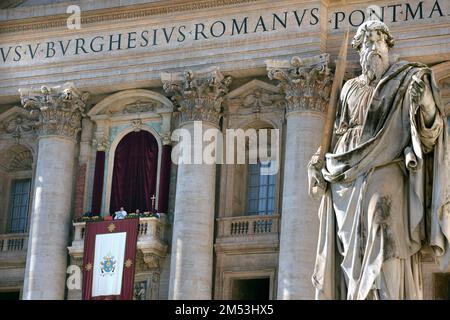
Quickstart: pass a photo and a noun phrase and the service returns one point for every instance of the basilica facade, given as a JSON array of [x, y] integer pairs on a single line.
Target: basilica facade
[[92, 97]]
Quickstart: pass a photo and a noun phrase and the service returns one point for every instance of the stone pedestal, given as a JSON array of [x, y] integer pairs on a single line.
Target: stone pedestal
[[306, 85], [60, 111], [193, 228]]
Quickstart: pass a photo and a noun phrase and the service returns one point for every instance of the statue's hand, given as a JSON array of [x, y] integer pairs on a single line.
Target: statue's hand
[[421, 92], [421, 95], [316, 183]]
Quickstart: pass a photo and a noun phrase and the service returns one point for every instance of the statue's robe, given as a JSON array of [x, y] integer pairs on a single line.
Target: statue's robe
[[386, 191]]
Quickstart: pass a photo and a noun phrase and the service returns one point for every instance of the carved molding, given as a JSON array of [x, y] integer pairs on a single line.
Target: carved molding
[[257, 101], [197, 97], [166, 138], [306, 83], [152, 261], [21, 161], [136, 124], [59, 109], [152, 253], [124, 104], [16, 158], [131, 14], [100, 144], [18, 125], [101, 141], [155, 283], [140, 106]]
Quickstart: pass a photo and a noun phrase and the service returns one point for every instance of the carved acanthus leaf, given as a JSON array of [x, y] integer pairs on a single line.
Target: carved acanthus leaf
[[198, 98], [306, 83], [59, 109], [101, 143]]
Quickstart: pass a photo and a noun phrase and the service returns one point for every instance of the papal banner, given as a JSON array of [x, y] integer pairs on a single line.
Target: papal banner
[[108, 261]]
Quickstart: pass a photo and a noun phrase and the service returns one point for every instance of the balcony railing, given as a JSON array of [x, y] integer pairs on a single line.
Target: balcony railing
[[13, 242], [248, 225], [151, 239], [149, 228]]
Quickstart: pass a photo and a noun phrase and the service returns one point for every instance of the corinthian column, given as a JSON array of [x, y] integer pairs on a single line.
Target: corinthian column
[[60, 110], [198, 98], [306, 85]]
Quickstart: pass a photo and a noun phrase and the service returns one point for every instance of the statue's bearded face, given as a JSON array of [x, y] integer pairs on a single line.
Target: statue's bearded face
[[374, 55]]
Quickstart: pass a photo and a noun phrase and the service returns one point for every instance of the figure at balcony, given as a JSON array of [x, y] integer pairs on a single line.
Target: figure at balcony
[[121, 214]]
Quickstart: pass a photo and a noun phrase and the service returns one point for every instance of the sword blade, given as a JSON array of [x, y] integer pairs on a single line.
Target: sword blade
[[341, 64]]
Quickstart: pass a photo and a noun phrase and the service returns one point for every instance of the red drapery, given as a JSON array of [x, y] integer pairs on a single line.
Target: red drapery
[[97, 189], [130, 226], [164, 179], [134, 175]]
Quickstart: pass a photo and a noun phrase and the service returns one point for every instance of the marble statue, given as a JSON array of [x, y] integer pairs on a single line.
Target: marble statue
[[382, 181]]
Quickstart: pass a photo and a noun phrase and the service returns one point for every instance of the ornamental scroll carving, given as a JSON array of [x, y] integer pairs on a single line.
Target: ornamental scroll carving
[[18, 126], [59, 109], [197, 97], [305, 83]]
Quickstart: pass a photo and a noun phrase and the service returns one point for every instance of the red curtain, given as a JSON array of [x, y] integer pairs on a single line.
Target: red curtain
[[134, 175], [164, 179], [130, 226], [97, 189]]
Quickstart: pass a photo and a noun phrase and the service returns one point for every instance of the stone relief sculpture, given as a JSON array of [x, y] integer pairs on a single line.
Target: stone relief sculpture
[[18, 125], [382, 183]]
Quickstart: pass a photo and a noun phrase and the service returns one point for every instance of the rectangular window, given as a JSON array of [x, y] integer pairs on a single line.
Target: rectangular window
[[261, 191], [20, 198]]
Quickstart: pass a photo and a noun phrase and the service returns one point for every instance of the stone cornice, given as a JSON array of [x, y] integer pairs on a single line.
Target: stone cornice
[[60, 109], [306, 83], [197, 97], [114, 14]]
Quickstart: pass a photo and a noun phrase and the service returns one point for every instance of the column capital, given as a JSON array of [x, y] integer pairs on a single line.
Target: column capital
[[305, 83], [100, 144], [60, 109], [166, 139], [197, 96]]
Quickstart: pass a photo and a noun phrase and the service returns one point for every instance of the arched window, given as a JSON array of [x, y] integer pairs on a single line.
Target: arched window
[[15, 176], [134, 173]]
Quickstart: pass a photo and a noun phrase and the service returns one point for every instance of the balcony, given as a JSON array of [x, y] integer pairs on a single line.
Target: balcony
[[152, 235], [244, 233], [13, 249]]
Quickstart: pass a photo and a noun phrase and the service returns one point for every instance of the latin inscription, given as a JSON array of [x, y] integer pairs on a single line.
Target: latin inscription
[[233, 27]]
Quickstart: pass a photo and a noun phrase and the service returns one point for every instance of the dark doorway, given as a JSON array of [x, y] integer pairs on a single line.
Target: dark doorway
[[134, 174], [12, 295], [251, 289]]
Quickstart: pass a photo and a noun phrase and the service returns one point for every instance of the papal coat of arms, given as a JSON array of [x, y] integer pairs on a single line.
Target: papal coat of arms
[[108, 265]]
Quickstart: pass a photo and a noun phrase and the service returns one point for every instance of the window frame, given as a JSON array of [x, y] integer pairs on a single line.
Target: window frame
[[10, 219], [267, 197]]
